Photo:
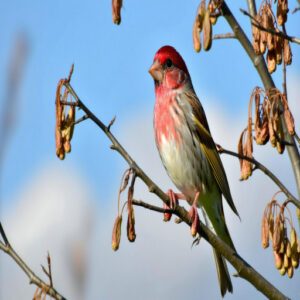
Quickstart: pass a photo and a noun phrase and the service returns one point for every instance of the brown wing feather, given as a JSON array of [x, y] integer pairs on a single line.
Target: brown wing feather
[[209, 148]]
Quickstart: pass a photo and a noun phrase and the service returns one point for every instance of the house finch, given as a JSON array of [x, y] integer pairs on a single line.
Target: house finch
[[187, 148]]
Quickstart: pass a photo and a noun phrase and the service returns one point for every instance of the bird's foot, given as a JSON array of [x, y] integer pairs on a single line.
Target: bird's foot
[[174, 197], [194, 216], [196, 241]]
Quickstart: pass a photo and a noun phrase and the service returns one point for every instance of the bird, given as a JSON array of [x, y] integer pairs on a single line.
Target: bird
[[187, 149]]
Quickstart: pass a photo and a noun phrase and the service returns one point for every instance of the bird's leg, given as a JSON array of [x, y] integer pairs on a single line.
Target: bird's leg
[[194, 216], [174, 197]]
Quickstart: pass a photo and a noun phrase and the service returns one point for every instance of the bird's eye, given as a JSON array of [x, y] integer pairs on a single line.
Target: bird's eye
[[168, 63]]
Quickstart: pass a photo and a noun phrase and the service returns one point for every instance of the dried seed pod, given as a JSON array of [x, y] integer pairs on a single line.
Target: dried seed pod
[[213, 20], [286, 262], [58, 127], [293, 239], [262, 136], [246, 166], [295, 259], [278, 234], [289, 119], [277, 125], [256, 38], [264, 232], [70, 123], [287, 52], [263, 34], [207, 31], [271, 226], [262, 44], [116, 234], [290, 271], [271, 60], [246, 170], [278, 260], [282, 271], [271, 132], [278, 47], [282, 247], [60, 153], [131, 225], [256, 31], [288, 249], [196, 36], [200, 14], [116, 11], [270, 25], [270, 42], [282, 10], [67, 146]]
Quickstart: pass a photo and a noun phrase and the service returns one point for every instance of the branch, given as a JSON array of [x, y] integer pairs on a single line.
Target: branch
[[152, 207], [265, 170], [260, 65], [278, 33], [252, 7], [33, 279], [295, 9], [243, 268], [228, 35]]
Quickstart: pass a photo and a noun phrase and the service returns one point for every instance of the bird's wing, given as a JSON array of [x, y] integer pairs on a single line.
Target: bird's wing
[[198, 118]]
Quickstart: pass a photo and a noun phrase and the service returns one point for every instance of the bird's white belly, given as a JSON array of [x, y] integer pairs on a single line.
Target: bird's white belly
[[186, 164]]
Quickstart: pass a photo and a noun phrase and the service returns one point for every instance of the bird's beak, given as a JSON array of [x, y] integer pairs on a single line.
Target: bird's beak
[[156, 71]]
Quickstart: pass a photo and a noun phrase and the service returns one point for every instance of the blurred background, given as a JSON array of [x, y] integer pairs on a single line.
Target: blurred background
[[68, 207]]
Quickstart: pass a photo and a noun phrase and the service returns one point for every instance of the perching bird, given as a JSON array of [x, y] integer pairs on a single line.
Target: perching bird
[[187, 148]]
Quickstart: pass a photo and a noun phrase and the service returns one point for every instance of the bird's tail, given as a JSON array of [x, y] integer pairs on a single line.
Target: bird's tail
[[223, 275], [214, 218]]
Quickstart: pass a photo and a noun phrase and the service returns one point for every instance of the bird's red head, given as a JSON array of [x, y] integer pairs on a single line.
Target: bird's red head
[[168, 68], [166, 53]]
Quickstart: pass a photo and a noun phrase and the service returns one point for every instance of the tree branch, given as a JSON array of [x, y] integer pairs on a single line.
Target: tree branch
[[220, 36], [243, 268], [260, 65], [33, 278], [265, 170]]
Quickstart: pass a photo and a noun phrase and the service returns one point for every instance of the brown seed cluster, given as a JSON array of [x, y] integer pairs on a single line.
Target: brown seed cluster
[[116, 233], [286, 247], [268, 107], [277, 47], [65, 118], [206, 17], [116, 11]]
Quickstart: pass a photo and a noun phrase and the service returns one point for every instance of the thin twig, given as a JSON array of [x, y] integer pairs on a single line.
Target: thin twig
[[252, 7], [83, 118], [284, 70], [68, 103], [278, 33], [152, 207], [228, 35], [33, 278], [297, 138], [111, 122], [265, 170], [296, 9], [244, 269]]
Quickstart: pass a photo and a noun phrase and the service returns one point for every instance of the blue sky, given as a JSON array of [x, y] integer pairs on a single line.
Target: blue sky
[[111, 64], [111, 77]]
